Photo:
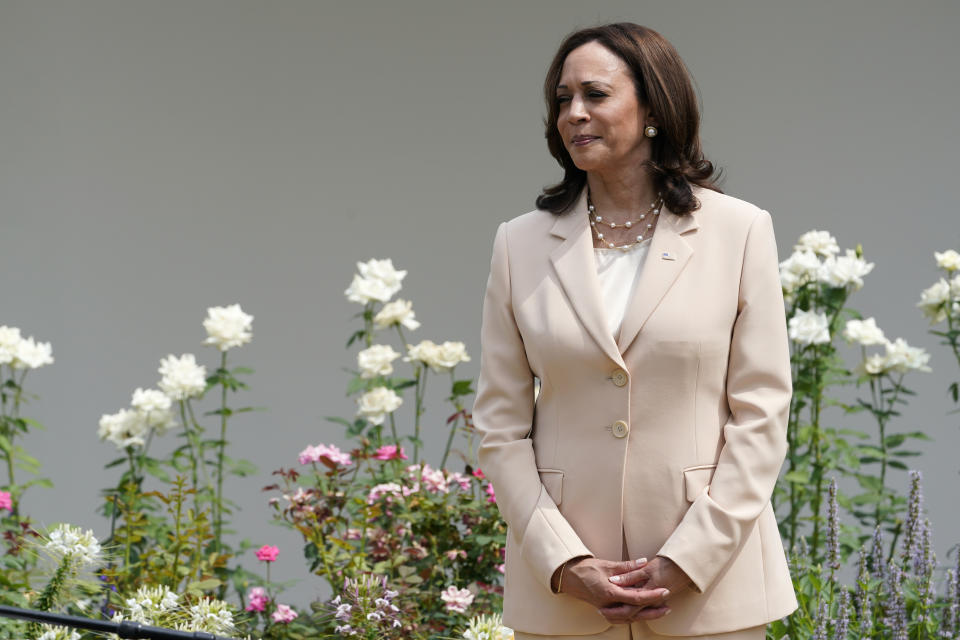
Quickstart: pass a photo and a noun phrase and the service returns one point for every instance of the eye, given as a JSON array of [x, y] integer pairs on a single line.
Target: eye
[[561, 99], [597, 94]]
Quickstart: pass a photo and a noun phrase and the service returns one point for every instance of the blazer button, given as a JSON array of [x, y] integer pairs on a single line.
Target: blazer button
[[619, 377], [620, 429]]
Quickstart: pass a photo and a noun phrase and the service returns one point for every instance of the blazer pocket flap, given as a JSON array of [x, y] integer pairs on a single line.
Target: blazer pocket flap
[[552, 480], [696, 479]]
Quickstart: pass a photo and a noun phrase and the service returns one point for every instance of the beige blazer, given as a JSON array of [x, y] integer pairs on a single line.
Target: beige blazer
[[671, 435]]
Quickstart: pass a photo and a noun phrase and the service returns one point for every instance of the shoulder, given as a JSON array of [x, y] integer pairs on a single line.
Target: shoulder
[[720, 211], [531, 222]]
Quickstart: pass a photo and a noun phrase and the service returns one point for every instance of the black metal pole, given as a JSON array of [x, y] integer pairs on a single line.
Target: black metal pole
[[125, 629]]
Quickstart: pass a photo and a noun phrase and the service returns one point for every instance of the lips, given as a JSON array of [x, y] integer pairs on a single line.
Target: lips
[[584, 138]]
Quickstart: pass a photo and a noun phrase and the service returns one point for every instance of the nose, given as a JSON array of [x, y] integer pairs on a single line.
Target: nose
[[577, 112]]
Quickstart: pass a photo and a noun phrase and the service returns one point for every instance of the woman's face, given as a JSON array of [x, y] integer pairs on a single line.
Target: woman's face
[[599, 117]]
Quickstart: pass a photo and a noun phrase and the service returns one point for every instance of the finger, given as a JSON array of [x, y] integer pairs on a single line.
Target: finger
[[651, 613], [619, 613], [640, 597], [630, 578], [627, 565]]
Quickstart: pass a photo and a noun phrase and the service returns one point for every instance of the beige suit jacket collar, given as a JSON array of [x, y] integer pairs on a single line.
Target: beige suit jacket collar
[[576, 269]]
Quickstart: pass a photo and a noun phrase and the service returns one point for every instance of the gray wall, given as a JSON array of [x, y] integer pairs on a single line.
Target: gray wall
[[157, 158]]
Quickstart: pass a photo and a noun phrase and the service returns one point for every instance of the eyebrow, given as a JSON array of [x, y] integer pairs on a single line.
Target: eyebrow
[[584, 83]]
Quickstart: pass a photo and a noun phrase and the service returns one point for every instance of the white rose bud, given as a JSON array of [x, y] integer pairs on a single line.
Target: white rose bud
[[866, 332], [809, 327], [227, 327], [376, 361], [948, 260], [375, 404]]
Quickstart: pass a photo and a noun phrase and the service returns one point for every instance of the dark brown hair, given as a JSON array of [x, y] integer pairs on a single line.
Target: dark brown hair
[[662, 83]]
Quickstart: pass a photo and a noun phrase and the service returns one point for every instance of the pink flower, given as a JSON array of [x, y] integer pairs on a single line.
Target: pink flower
[[266, 553], [453, 554], [257, 599], [502, 568], [353, 534], [284, 614], [434, 480], [460, 479], [6, 501], [491, 493], [479, 474], [329, 455], [457, 599], [389, 452]]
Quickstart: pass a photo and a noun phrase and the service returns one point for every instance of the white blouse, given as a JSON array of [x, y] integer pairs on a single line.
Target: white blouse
[[619, 270]]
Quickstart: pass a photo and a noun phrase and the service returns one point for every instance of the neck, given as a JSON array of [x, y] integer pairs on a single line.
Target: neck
[[621, 197]]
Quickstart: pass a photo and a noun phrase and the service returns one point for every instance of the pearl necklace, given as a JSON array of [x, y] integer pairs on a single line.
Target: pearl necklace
[[595, 219]]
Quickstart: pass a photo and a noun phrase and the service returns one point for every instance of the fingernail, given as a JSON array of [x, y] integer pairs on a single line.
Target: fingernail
[[665, 593], [668, 612], [641, 561], [614, 578]]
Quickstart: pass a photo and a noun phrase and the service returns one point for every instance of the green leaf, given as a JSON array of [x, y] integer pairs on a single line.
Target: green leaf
[[203, 585], [462, 387], [241, 371], [243, 468], [337, 420], [797, 476]]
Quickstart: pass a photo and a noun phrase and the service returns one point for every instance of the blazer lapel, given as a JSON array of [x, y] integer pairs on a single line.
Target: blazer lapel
[[668, 254], [577, 271]]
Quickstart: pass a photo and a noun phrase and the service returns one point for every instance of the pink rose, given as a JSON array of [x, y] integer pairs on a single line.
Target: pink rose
[[284, 614], [266, 553], [257, 599], [490, 492], [6, 501], [389, 452]]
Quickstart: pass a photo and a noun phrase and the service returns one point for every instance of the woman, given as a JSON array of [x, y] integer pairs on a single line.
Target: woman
[[636, 487]]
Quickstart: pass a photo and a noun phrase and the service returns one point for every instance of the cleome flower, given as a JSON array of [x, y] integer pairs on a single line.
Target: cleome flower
[[72, 545], [50, 632], [150, 603], [487, 627]]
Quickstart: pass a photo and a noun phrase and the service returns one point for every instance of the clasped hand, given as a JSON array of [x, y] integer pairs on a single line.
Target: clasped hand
[[628, 590]]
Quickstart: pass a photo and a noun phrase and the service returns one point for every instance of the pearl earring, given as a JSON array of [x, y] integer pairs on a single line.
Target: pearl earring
[[650, 131]]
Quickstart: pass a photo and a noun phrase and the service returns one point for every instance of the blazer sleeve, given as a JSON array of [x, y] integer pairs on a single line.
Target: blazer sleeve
[[503, 413], [759, 388]]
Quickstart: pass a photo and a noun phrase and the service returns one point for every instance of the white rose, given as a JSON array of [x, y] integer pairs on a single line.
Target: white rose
[[800, 268], [902, 357], [154, 407], [376, 282], [449, 354], [383, 271], [125, 429], [809, 327], [874, 365], [376, 361], [182, 377], [9, 339], [425, 351], [396, 312], [365, 290], [375, 404], [819, 242], [30, 354], [866, 332], [949, 260], [840, 271], [227, 327], [933, 299]]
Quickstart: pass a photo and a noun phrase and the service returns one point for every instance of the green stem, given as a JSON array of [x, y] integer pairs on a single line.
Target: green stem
[[223, 442], [193, 456], [817, 453], [453, 426], [131, 493], [420, 390], [201, 457]]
